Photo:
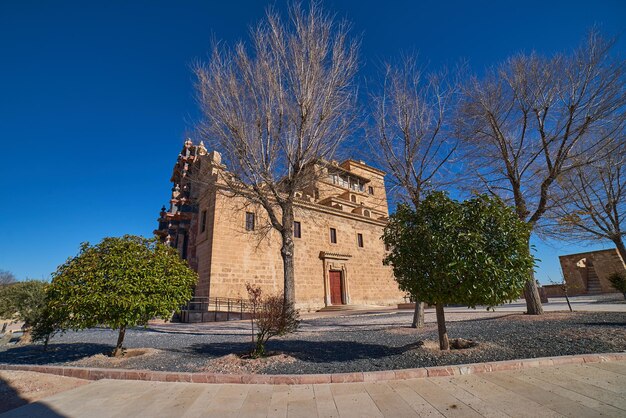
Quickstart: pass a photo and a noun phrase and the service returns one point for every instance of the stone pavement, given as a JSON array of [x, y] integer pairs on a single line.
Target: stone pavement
[[383, 317], [594, 389]]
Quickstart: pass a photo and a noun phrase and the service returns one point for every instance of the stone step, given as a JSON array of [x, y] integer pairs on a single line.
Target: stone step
[[334, 308], [593, 282]]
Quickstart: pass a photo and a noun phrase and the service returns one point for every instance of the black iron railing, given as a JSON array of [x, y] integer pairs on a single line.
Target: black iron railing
[[206, 309]]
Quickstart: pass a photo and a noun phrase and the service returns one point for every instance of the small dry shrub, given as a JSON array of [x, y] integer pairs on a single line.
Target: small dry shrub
[[272, 316]]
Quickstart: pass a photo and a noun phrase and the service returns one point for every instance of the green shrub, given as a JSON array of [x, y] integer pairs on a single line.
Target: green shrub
[[447, 252], [23, 301], [618, 280], [118, 283]]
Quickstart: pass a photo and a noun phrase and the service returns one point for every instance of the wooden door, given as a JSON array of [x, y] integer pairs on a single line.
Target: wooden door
[[336, 290]]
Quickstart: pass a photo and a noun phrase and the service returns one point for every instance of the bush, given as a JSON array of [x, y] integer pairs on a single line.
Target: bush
[[272, 318], [118, 283], [23, 301], [447, 252], [618, 280]]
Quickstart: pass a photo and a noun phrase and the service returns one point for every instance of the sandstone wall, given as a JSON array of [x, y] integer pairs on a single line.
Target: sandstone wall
[[576, 269], [235, 256]]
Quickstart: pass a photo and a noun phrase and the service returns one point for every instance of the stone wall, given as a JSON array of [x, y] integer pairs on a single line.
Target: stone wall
[[237, 256], [349, 197], [577, 270]]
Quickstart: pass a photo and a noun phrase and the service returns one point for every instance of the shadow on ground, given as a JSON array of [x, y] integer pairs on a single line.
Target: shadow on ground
[[311, 351], [11, 399], [56, 353]]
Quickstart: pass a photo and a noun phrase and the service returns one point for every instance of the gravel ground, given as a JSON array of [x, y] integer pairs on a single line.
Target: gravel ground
[[342, 344]]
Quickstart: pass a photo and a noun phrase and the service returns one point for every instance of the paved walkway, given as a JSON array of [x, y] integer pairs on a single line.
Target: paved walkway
[[595, 389], [383, 317]]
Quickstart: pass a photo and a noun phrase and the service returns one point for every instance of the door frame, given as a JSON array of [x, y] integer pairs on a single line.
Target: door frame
[[342, 296], [337, 262]]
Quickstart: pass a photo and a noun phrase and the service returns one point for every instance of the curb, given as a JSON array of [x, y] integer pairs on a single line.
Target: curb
[[307, 379]]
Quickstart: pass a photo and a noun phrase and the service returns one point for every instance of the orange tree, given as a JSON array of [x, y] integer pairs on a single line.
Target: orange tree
[[118, 283], [447, 252]]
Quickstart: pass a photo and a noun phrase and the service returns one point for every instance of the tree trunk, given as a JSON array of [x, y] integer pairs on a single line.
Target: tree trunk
[[418, 315], [444, 344], [287, 253], [533, 301], [531, 294], [120, 339], [621, 249]]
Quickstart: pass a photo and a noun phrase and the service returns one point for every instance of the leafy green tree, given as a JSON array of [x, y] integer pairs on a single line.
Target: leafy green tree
[[23, 301], [447, 252], [118, 283]]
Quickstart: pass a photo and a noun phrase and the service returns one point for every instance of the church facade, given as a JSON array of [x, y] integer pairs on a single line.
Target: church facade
[[338, 225]]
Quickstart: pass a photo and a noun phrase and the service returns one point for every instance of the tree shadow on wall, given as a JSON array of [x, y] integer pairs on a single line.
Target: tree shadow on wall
[[311, 351]]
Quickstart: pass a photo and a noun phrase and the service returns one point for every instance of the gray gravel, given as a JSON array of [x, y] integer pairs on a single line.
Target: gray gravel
[[347, 344]]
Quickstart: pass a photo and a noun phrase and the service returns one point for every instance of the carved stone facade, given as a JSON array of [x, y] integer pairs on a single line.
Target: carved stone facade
[[587, 273], [226, 239]]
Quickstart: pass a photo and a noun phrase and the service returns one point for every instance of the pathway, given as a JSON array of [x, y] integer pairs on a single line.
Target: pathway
[[594, 389]]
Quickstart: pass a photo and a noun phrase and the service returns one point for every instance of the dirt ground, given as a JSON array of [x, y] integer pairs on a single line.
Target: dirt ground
[[19, 388]]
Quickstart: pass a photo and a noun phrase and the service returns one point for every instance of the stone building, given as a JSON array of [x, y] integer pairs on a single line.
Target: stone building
[[338, 224], [587, 273]]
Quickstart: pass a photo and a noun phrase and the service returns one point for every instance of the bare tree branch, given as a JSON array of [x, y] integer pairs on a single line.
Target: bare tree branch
[[534, 119], [275, 107]]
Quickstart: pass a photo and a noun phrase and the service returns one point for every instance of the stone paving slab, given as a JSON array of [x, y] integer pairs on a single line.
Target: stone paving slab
[[584, 389]]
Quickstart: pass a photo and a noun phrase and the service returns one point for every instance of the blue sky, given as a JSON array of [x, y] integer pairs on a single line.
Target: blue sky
[[96, 98]]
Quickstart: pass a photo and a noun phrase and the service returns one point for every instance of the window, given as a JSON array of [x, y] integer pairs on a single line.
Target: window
[[203, 221], [370, 190], [366, 213], [353, 198], [359, 240], [297, 230], [249, 221], [356, 184], [333, 236]]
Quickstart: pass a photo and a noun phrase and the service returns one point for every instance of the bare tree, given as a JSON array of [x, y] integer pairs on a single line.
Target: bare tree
[[6, 277], [276, 107], [593, 206], [411, 115], [533, 119]]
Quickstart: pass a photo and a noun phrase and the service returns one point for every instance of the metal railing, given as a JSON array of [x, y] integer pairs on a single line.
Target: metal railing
[[214, 309]]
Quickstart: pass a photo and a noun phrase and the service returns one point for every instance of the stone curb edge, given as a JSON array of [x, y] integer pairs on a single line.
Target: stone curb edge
[[305, 379]]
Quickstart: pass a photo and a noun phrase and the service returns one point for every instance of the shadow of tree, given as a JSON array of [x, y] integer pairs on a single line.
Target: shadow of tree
[[311, 351], [56, 353], [11, 399]]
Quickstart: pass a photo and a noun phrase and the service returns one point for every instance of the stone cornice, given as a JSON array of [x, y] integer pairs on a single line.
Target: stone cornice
[[334, 256]]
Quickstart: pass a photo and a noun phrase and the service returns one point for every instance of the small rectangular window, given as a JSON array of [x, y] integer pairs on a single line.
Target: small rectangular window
[[370, 190], [203, 221], [249, 221], [333, 236], [359, 240], [297, 230]]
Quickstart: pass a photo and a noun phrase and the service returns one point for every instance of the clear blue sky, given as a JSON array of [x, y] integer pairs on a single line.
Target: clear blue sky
[[96, 97]]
